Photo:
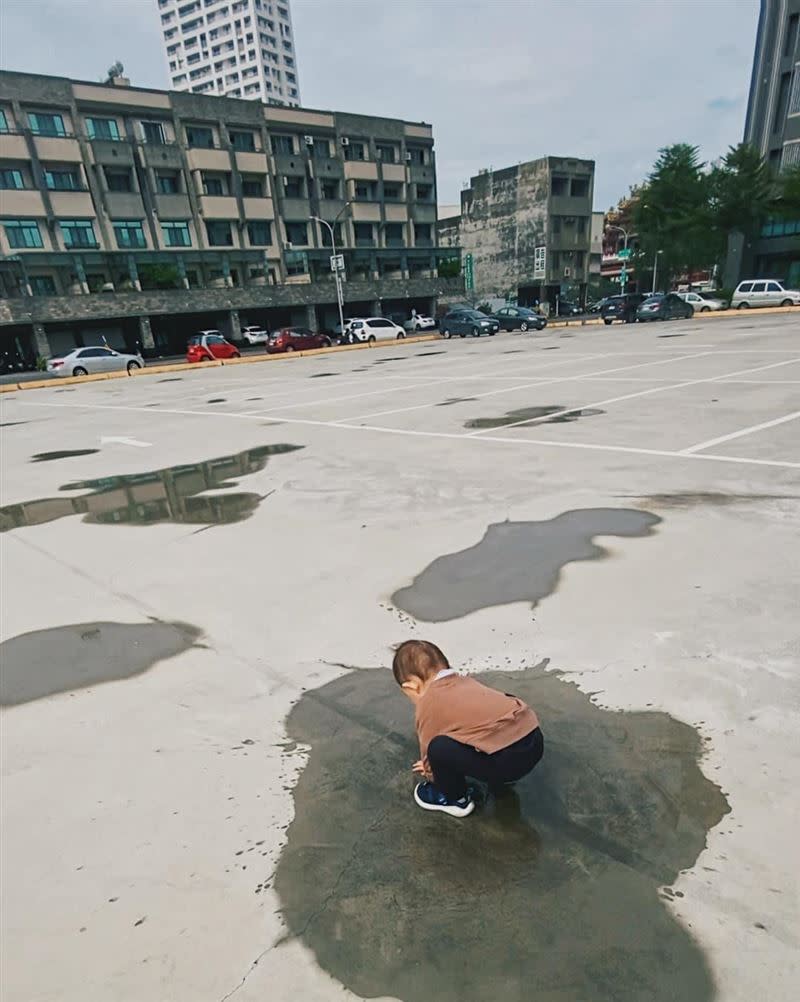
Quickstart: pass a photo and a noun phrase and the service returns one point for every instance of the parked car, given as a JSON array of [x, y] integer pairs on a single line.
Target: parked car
[[702, 304], [621, 308], [419, 323], [255, 335], [519, 318], [465, 321], [664, 306], [376, 329], [296, 339], [766, 292], [85, 361], [566, 308], [205, 346], [596, 307]]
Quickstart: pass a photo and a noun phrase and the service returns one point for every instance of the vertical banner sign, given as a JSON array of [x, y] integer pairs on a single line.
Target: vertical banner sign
[[539, 262], [469, 273]]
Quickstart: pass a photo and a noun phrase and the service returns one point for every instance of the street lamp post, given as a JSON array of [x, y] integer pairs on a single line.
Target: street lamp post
[[623, 273], [334, 261], [655, 271]]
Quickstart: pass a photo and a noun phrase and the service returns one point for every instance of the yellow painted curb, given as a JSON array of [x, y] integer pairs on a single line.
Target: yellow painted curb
[[41, 384]]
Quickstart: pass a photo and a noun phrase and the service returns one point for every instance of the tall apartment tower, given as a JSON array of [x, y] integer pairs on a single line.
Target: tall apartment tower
[[773, 110], [231, 48]]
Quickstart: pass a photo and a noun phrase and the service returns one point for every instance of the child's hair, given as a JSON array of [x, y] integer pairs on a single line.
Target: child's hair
[[417, 658]]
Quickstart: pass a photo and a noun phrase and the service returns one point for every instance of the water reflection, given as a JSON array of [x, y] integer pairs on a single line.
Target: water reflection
[[175, 494]]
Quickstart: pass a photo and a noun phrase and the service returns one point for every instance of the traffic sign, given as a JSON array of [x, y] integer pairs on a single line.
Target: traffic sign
[[623, 276], [337, 262], [469, 273], [624, 254]]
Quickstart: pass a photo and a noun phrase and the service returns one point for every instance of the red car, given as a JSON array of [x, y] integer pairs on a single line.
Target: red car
[[208, 345], [296, 339]]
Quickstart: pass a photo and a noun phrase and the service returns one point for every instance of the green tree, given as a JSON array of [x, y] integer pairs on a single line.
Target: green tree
[[742, 192], [672, 217]]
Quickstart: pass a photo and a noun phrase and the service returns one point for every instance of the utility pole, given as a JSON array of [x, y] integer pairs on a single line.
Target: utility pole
[[655, 271], [337, 263], [623, 275]]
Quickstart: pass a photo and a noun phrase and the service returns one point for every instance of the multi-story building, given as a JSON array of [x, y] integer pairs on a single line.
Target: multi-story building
[[773, 127], [144, 215], [528, 229], [231, 48]]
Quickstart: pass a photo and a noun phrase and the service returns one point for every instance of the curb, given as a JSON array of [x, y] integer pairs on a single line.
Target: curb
[[153, 370]]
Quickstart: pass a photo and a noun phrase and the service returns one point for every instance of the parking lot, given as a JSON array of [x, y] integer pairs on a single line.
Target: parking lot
[[206, 766]]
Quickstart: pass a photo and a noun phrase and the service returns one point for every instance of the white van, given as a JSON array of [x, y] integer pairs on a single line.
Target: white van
[[765, 292]]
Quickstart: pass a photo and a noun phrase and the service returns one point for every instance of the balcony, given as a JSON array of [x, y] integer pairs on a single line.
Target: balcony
[[72, 204], [13, 146], [251, 163], [396, 213], [173, 206], [259, 208], [394, 172], [219, 207], [23, 203], [204, 159], [361, 170], [61, 149], [124, 205], [365, 212]]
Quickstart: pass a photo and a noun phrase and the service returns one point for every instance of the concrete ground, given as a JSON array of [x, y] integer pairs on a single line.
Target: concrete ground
[[164, 614]]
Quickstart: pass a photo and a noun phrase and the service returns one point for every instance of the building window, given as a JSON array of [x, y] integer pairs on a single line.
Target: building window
[[46, 125], [422, 234], [218, 233], [102, 128], [392, 192], [293, 187], [579, 187], [582, 223], [11, 179], [283, 144], [579, 259], [176, 234], [790, 157], [424, 192], [153, 132], [78, 233], [119, 179], [416, 155], [780, 228], [63, 179], [794, 99], [259, 233], [43, 285], [3, 121], [387, 153], [559, 185], [129, 233], [22, 233], [199, 137], [296, 233], [168, 182], [555, 224], [365, 191], [296, 262], [243, 142], [364, 234], [215, 184], [329, 189], [354, 151], [790, 41], [393, 233], [252, 187]]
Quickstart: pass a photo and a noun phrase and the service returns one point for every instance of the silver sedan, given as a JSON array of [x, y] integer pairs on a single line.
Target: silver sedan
[[83, 361]]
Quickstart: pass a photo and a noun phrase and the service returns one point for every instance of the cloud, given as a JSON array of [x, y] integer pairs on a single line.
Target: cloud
[[501, 81]]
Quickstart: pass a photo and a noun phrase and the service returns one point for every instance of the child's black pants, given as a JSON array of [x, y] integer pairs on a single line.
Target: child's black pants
[[451, 763]]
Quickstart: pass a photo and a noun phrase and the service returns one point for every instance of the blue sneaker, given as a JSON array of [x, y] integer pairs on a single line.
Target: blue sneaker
[[430, 798]]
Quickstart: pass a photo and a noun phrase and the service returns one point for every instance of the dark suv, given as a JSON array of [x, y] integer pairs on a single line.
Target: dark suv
[[622, 308]]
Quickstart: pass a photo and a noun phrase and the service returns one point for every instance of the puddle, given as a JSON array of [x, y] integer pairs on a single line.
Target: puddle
[[321, 375], [66, 658], [515, 562], [549, 893], [12, 424], [531, 414], [456, 400], [176, 494], [172, 379], [393, 358], [248, 399], [673, 335], [513, 351], [217, 400], [47, 457], [552, 347], [425, 354], [692, 499]]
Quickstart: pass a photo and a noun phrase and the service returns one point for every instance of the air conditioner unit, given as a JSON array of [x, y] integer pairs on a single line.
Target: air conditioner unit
[[344, 141], [407, 158], [567, 272], [309, 140], [288, 244]]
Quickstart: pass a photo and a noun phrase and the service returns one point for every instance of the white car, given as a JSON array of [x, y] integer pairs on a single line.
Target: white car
[[702, 304], [765, 292], [255, 335], [376, 329], [419, 323], [85, 361]]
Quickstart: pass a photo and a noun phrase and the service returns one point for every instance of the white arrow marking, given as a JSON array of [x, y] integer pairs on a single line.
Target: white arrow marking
[[115, 440]]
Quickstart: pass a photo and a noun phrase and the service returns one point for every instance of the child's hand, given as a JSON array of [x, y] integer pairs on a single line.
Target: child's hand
[[420, 770]]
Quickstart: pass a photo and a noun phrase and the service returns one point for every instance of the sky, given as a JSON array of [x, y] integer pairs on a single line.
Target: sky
[[501, 81]]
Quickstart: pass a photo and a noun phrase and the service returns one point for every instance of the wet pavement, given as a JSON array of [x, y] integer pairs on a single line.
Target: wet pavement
[[552, 891]]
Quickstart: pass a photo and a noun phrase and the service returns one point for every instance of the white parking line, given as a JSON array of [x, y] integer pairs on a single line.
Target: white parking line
[[529, 383], [639, 393], [741, 433]]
